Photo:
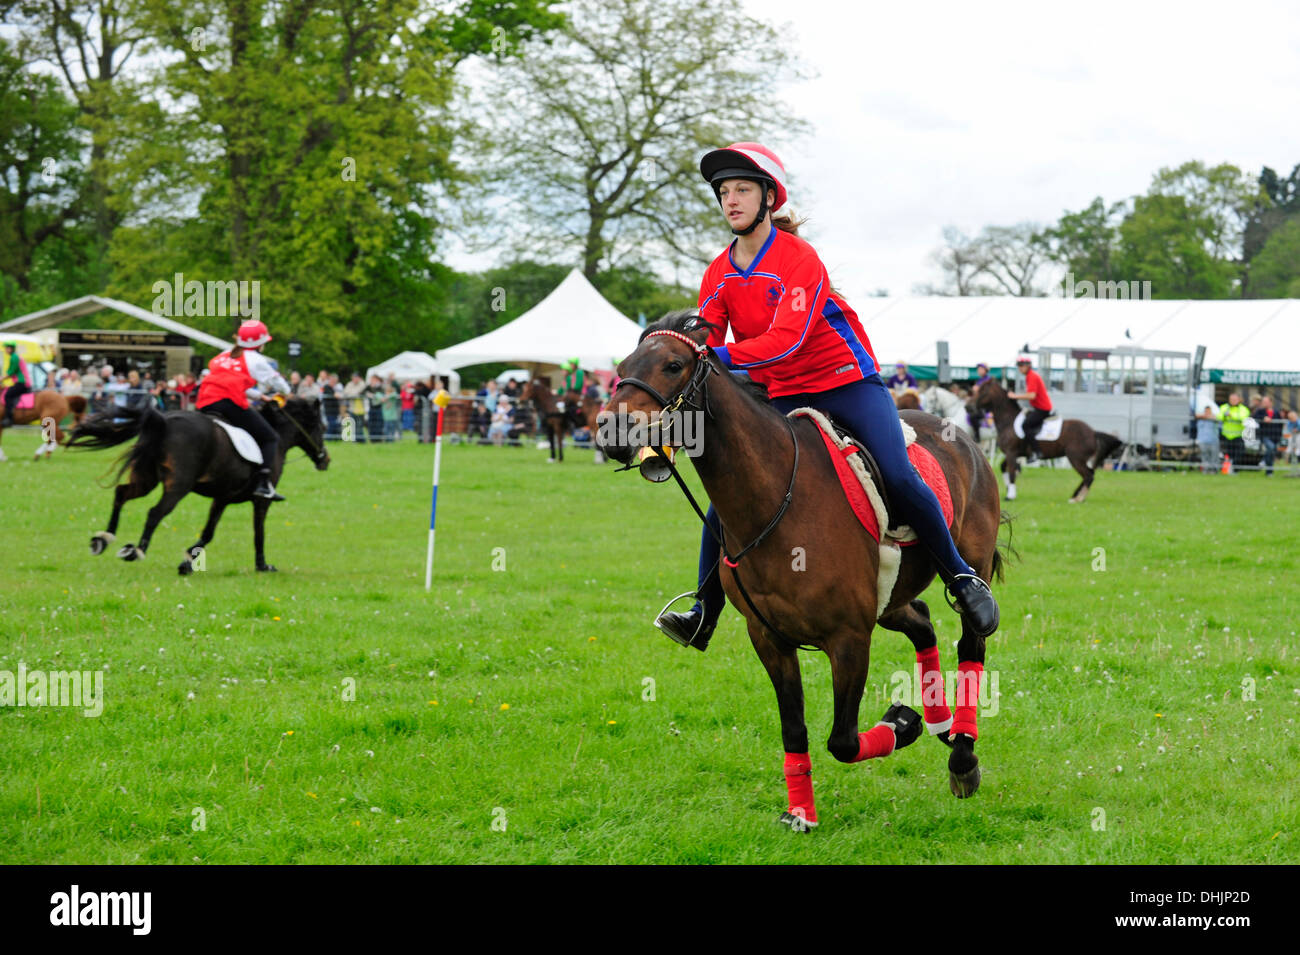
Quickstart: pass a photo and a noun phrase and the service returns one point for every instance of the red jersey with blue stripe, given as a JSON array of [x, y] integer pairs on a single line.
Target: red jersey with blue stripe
[[1034, 383], [793, 334]]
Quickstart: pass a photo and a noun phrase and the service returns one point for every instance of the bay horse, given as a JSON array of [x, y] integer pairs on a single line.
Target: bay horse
[[556, 422], [1085, 448], [909, 399], [755, 463], [49, 408], [186, 451]]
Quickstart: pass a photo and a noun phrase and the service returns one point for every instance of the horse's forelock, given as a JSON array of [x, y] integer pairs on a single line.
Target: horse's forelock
[[683, 320]]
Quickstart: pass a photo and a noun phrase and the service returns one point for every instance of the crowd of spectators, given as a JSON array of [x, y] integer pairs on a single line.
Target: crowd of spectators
[[1240, 433], [104, 387]]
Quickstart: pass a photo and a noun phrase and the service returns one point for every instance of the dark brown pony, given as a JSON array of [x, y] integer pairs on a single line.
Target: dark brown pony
[[826, 596], [556, 422], [908, 400], [1084, 447], [589, 410], [52, 407]]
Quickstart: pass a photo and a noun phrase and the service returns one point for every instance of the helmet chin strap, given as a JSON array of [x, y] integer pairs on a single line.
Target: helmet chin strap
[[759, 217]]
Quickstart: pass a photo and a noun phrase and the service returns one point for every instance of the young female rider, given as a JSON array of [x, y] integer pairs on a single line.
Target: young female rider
[[225, 392], [796, 335]]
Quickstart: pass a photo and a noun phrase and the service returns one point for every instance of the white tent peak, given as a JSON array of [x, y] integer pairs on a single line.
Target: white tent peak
[[573, 321]]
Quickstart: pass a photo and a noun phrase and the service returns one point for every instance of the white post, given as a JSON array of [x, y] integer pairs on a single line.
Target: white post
[[441, 400]]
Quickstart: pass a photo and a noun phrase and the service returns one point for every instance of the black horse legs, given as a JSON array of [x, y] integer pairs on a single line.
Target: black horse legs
[[260, 506], [963, 764], [205, 537]]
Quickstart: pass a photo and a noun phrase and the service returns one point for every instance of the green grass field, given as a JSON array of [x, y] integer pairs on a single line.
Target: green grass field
[[505, 716]]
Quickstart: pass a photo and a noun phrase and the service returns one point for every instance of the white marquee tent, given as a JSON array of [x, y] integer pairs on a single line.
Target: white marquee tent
[[1239, 336], [574, 321], [414, 366]]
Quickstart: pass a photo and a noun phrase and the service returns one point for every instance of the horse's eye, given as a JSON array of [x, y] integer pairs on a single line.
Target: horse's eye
[[675, 367]]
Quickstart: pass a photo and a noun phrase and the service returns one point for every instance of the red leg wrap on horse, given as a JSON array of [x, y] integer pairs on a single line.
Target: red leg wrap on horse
[[967, 698], [875, 742], [798, 784], [938, 718]]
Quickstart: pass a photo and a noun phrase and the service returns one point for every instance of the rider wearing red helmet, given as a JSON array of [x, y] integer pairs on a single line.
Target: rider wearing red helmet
[[1040, 404], [795, 334], [233, 377]]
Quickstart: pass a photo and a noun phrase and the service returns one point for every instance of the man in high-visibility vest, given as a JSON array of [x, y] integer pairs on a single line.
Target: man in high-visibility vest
[[1233, 415]]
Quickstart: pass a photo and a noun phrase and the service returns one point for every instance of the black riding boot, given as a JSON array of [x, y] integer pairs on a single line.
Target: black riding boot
[[1032, 445], [695, 627], [264, 486], [976, 602]]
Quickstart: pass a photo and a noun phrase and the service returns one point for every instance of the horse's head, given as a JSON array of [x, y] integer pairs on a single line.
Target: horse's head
[[308, 429], [665, 374], [986, 394]]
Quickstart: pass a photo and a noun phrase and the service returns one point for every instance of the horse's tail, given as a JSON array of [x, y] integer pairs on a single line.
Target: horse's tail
[[77, 405], [1003, 549], [1106, 443], [118, 426]]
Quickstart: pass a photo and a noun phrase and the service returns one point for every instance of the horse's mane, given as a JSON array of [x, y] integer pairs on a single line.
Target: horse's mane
[[686, 320]]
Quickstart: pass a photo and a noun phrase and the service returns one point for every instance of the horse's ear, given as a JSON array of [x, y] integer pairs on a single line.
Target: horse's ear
[[697, 329]]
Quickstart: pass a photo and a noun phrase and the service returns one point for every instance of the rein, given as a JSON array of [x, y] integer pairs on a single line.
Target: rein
[[699, 382], [318, 451]]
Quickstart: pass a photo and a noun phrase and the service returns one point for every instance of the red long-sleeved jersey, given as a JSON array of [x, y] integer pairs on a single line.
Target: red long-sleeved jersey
[[793, 334]]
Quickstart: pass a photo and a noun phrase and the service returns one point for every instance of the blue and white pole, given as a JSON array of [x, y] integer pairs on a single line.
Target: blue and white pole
[[442, 399]]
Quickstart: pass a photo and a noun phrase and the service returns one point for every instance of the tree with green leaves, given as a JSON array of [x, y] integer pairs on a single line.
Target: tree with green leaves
[[1279, 204], [315, 143], [1275, 270], [89, 43], [39, 186], [592, 141], [1084, 243]]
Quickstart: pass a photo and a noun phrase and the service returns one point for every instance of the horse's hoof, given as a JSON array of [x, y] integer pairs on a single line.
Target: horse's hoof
[[266, 568], [963, 768], [99, 542], [796, 821], [130, 552], [964, 785], [185, 569]]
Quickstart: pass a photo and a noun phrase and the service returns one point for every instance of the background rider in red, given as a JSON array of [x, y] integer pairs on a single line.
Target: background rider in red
[[232, 377], [796, 335], [1040, 405]]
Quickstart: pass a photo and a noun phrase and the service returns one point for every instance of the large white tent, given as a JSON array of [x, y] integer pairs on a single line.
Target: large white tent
[[574, 321], [1240, 336]]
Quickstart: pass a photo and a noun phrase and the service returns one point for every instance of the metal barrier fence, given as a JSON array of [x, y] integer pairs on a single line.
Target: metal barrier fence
[[1263, 446]]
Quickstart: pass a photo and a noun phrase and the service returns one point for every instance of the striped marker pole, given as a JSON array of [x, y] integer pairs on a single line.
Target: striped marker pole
[[442, 399]]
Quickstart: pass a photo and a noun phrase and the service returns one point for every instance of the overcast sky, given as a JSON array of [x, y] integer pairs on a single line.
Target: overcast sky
[[973, 114]]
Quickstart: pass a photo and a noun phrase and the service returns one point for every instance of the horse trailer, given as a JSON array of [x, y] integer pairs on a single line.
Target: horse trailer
[[1142, 395]]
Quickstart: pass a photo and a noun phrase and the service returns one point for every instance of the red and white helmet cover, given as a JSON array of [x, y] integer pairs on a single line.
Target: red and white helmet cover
[[742, 157], [252, 334]]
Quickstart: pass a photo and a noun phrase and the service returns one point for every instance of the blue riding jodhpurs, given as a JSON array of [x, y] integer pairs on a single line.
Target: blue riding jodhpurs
[[867, 409]]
